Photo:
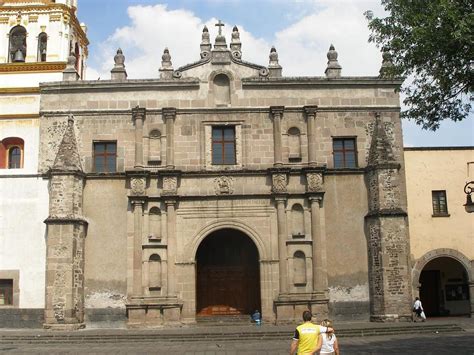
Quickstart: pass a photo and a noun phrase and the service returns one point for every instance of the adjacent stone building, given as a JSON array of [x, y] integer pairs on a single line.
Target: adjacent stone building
[[36, 37], [223, 187]]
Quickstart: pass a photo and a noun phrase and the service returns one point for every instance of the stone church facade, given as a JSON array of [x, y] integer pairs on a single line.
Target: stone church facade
[[223, 187]]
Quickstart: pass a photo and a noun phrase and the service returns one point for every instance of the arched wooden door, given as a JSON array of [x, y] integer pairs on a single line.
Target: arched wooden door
[[228, 277]]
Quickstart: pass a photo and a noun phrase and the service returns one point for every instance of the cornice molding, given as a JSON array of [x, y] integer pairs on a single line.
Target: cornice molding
[[19, 116], [34, 67], [24, 90]]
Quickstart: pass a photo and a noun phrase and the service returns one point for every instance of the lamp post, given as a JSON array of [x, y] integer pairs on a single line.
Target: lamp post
[[468, 189]]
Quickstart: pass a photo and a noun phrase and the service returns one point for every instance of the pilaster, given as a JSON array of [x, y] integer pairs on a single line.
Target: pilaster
[[169, 115], [310, 112], [138, 117], [277, 115]]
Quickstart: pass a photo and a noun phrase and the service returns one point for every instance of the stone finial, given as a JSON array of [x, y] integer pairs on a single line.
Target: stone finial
[[235, 44], [67, 158], [71, 61], [387, 64], [70, 73], [119, 59], [274, 67], [333, 69], [166, 70], [119, 72], [205, 43], [220, 38], [166, 59]]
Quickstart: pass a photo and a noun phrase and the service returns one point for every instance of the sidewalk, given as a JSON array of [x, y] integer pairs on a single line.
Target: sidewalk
[[196, 332]]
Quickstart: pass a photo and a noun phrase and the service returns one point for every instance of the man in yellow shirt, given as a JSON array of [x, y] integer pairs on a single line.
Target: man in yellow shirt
[[306, 336]]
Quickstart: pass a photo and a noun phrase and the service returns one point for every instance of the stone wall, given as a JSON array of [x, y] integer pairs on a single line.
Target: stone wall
[[256, 196]]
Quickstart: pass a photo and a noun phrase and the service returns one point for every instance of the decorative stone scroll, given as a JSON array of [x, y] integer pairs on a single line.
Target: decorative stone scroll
[[224, 185], [138, 186], [315, 182], [279, 182], [170, 185]]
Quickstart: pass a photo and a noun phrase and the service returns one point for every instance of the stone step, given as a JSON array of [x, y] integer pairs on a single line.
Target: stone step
[[223, 320], [253, 333]]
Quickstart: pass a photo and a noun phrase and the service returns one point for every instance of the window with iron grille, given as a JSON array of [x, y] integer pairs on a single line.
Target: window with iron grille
[[6, 292], [440, 203], [105, 157], [223, 145], [344, 151]]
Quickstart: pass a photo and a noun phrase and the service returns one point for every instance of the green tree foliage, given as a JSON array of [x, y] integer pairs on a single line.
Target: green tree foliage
[[431, 42]]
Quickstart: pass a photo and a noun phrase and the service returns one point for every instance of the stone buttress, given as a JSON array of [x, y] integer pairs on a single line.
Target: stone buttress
[[66, 231], [386, 227]]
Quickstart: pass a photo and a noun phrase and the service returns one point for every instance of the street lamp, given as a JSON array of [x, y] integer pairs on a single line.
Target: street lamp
[[468, 189]]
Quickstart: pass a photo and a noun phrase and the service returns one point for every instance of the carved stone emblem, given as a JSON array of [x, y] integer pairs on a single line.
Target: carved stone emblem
[[170, 185], [138, 185], [224, 185], [315, 182], [279, 183]]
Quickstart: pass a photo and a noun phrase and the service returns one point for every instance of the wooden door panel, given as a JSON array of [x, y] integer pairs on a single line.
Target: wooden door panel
[[227, 281]]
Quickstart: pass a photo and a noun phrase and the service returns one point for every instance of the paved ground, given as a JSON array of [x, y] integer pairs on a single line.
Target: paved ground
[[462, 343]]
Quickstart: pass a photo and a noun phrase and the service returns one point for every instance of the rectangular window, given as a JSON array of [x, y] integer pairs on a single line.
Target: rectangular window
[[105, 157], [440, 203], [223, 146], [6, 292], [344, 151]]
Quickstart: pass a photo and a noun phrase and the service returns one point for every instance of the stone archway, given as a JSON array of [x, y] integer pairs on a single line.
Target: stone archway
[[444, 279], [227, 274]]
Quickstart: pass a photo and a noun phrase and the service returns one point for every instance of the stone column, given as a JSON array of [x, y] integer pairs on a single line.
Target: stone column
[[277, 114], [137, 246], [318, 236], [169, 115], [310, 112], [171, 248], [138, 116], [282, 255]]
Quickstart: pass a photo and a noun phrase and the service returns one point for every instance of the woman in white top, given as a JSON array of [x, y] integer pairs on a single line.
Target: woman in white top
[[329, 340]]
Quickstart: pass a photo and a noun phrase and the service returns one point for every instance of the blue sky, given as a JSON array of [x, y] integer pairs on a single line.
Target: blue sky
[[301, 30]]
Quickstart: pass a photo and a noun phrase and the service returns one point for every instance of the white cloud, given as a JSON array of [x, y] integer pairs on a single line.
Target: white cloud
[[302, 47]]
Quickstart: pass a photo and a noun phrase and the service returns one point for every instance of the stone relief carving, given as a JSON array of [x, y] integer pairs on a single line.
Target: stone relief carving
[[279, 183], [138, 185], [315, 182], [170, 184], [224, 185]]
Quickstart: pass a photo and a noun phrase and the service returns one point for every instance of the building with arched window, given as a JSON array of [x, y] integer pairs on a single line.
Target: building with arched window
[[34, 40]]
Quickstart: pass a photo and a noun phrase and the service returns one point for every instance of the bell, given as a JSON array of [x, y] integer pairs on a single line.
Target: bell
[[19, 56]]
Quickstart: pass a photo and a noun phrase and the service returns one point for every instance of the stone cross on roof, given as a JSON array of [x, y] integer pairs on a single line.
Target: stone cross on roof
[[220, 24]]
